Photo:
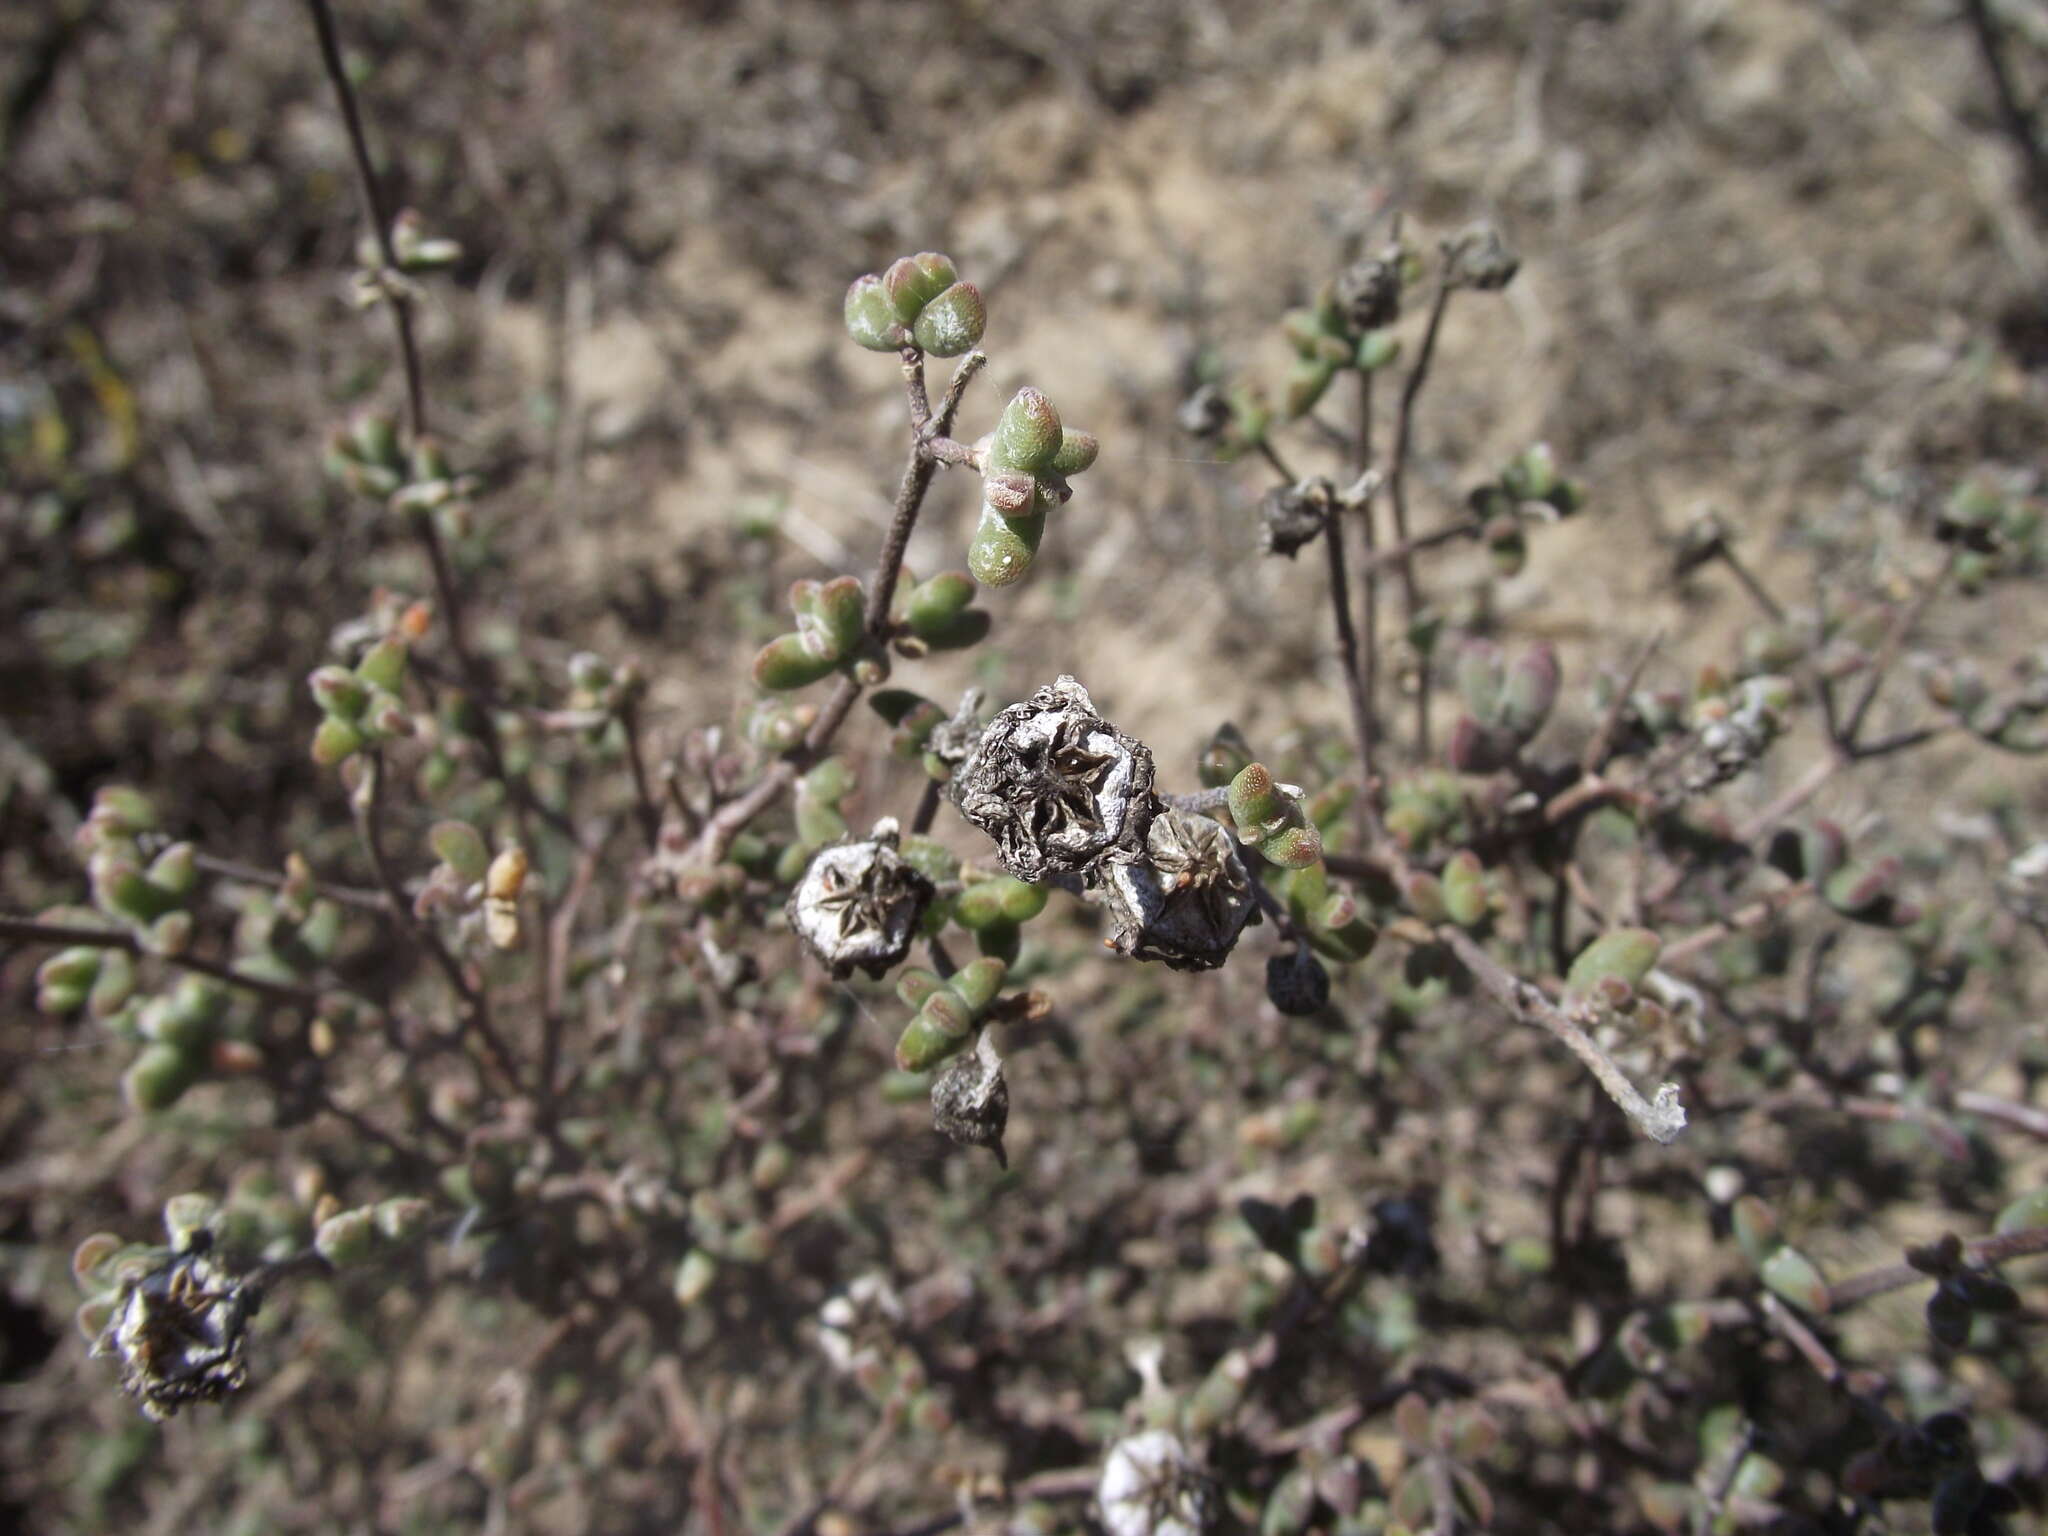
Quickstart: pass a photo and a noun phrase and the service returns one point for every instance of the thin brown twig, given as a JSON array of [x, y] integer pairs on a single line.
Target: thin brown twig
[[251, 874], [1741, 920], [1601, 743], [369, 813], [1397, 480], [1902, 625], [447, 594], [1369, 585], [646, 806], [2018, 121], [1661, 1119], [1347, 646], [31, 931], [1988, 1106], [379, 211], [1997, 1249], [726, 823]]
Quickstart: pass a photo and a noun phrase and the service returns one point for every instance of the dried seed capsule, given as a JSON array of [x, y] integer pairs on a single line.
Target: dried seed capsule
[[1151, 1487], [179, 1331], [1187, 900], [1367, 294], [859, 904], [1477, 257], [1058, 787], [971, 1101], [1297, 984], [1292, 515]]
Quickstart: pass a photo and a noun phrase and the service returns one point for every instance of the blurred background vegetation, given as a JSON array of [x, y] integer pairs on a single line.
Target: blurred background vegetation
[[1779, 259]]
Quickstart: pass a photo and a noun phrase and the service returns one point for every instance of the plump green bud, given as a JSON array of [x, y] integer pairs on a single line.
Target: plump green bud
[[1290, 1505], [1862, 889], [1077, 452], [91, 1256], [1756, 1228], [1481, 676], [158, 1078], [1220, 1394], [946, 1011], [911, 282], [1003, 548], [61, 999], [1021, 902], [870, 319], [121, 889], [771, 1166], [959, 632], [2026, 1212], [830, 616], [169, 935], [122, 811], [1303, 329], [913, 716], [1256, 804], [1292, 847], [1028, 436], [185, 1216], [978, 982], [1530, 691], [934, 604], [1532, 474], [1307, 379], [1000, 940], [785, 663], [917, 984], [938, 1031], [1424, 894], [458, 845], [1271, 819], [1507, 546], [383, 665], [175, 870], [402, 1218], [1378, 349], [694, 1276], [95, 1315], [830, 781], [373, 439], [74, 970], [979, 905], [1464, 888], [336, 741], [113, 986], [952, 323], [1795, 1277], [346, 1239], [338, 691], [1627, 954]]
